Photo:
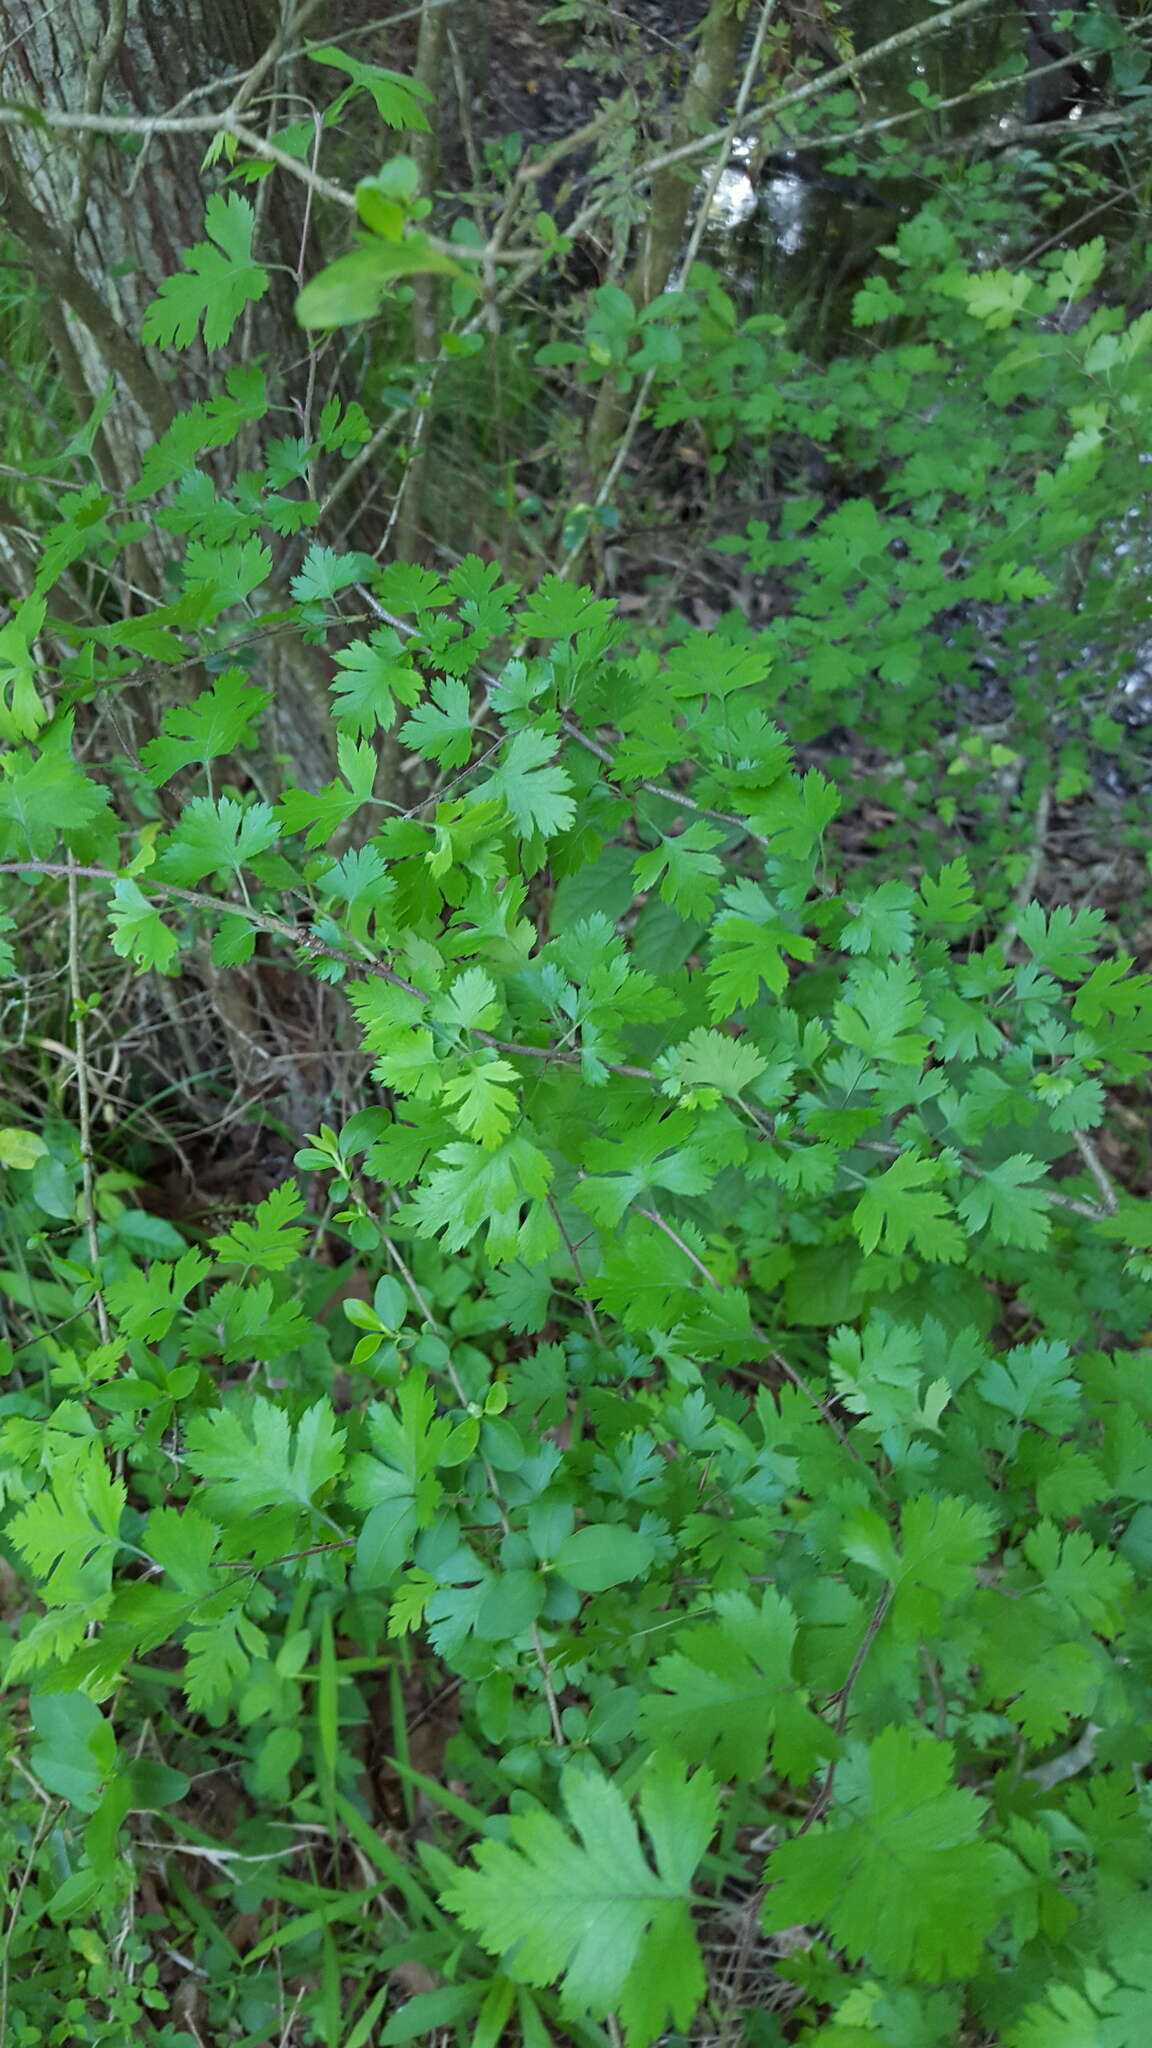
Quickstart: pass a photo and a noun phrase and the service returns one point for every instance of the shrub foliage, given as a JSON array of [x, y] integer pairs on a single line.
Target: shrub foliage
[[737, 1392]]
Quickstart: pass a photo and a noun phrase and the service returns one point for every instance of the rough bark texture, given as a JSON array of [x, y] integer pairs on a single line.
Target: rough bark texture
[[101, 222], [708, 88]]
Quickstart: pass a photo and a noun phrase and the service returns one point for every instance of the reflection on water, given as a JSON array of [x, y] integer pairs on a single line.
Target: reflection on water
[[734, 200], [786, 201], [786, 229]]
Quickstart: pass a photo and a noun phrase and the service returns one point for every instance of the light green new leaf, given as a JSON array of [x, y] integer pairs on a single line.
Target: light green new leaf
[[994, 296], [220, 280], [261, 1462], [532, 785], [216, 838], [471, 1004], [138, 931], [582, 1910], [482, 1100], [710, 1060]]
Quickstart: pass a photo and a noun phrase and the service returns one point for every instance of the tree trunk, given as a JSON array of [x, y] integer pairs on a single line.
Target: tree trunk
[[102, 221], [709, 86]]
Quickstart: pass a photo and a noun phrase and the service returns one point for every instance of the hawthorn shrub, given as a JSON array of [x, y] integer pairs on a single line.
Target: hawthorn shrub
[[738, 1395]]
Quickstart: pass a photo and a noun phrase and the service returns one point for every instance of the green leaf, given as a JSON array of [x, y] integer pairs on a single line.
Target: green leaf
[[902, 1206], [273, 1240], [593, 1911], [216, 838], [138, 930], [882, 921], [472, 1189], [482, 1099], [899, 1875], [535, 792], [69, 1535], [746, 954], [397, 99], [45, 798], [263, 1462], [1062, 940], [1003, 1203], [440, 729], [220, 281], [1094, 1582], [709, 1064], [602, 1554], [878, 1011], [947, 899], [356, 286], [727, 1695], [326, 572], [372, 683], [943, 1539], [686, 869], [217, 722]]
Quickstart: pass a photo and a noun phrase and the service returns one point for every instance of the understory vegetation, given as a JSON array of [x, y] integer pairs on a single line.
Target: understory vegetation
[[575, 1217]]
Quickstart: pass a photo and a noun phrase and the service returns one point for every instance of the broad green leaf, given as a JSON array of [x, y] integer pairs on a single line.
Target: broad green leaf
[[356, 286], [899, 1874], [220, 280], [601, 1555], [588, 1908], [727, 1695]]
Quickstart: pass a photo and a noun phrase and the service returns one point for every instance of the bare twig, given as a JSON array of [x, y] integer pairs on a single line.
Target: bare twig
[[84, 1098], [1097, 1169]]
